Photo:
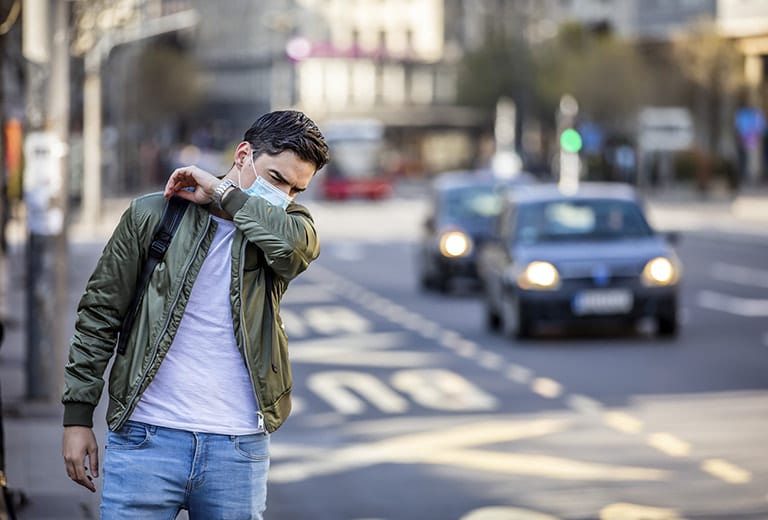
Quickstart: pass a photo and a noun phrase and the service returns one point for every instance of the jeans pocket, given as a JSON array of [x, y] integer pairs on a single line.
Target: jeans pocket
[[130, 437], [253, 447]]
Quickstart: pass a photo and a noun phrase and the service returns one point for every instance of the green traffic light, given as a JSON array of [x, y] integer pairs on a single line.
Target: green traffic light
[[570, 140]]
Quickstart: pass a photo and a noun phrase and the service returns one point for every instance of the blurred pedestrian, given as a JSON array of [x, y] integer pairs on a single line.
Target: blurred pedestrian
[[205, 377]]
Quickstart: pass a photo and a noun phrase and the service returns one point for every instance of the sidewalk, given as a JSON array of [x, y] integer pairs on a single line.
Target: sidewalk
[[719, 211], [33, 430]]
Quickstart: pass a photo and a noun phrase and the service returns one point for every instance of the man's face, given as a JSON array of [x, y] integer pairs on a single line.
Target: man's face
[[285, 171]]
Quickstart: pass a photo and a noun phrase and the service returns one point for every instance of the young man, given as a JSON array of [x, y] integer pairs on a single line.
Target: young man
[[205, 377]]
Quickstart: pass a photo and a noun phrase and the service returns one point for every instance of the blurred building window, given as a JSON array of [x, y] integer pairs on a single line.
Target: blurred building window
[[445, 86], [310, 84], [409, 47], [422, 86], [382, 43], [363, 83], [336, 77], [393, 84], [396, 42], [445, 150]]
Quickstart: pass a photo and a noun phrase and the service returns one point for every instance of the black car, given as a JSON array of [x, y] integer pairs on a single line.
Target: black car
[[463, 208], [586, 256]]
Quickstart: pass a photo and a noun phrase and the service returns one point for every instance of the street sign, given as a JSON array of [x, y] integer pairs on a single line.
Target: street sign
[[750, 124], [592, 136], [665, 129], [42, 182]]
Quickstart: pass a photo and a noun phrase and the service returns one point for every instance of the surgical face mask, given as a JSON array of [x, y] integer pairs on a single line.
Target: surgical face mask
[[262, 188]]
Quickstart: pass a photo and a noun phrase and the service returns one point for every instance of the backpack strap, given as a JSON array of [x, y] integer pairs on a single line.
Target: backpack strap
[[172, 215]]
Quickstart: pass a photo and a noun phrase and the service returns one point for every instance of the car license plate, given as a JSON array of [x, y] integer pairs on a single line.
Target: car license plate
[[602, 301]]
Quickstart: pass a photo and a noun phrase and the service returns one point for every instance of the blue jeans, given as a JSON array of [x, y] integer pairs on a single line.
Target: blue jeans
[[152, 472]]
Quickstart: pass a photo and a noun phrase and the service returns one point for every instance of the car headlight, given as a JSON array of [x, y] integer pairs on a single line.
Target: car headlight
[[455, 243], [539, 275], [660, 271]]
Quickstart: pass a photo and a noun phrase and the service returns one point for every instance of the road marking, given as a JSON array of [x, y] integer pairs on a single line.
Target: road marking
[[669, 444], [452, 446], [549, 388], [359, 350], [443, 390], [437, 389], [506, 513], [412, 447], [337, 388], [323, 421], [749, 307], [335, 319], [622, 511], [467, 349], [583, 404], [623, 422], [490, 360], [546, 387], [431, 330], [348, 251], [455, 342], [394, 312], [726, 471], [541, 466], [309, 293], [279, 450], [519, 374], [737, 274], [448, 337], [294, 325]]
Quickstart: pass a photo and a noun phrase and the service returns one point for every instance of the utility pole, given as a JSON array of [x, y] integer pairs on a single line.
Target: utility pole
[[58, 117], [47, 114]]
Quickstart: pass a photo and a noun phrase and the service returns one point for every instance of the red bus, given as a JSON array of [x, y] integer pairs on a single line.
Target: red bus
[[356, 168]]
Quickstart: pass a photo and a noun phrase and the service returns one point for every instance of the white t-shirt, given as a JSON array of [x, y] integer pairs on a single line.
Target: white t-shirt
[[203, 383]]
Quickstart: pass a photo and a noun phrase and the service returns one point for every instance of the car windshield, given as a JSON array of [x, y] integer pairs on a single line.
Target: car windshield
[[471, 202], [598, 219]]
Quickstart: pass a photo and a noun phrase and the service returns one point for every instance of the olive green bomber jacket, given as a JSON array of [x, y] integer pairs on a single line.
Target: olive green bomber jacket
[[289, 242]]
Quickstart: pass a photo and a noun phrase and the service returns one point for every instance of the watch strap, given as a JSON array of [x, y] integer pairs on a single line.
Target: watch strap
[[218, 193]]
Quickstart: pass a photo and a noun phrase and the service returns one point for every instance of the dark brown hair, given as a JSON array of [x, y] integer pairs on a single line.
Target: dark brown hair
[[281, 130]]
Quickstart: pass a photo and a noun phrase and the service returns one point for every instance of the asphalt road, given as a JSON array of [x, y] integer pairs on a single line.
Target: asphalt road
[[408, 408]]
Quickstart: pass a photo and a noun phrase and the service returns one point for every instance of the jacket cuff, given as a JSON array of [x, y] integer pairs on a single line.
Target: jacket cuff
[[233, 201], [78, 414]]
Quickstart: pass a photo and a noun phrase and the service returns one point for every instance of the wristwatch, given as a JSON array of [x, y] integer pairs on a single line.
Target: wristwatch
[[218, 193]]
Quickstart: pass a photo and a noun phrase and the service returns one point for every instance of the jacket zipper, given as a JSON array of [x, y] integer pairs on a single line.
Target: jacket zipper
[[131, 401], [244, 340]]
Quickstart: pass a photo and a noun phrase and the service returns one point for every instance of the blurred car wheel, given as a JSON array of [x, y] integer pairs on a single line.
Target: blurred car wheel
[[514, 322], [667, 324], [492, 318]]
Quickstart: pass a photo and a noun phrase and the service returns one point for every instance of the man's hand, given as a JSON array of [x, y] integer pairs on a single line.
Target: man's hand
[[78, 443], [203, 183]]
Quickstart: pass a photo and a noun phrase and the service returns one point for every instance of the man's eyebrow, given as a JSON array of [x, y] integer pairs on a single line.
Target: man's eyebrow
[[279, 176]]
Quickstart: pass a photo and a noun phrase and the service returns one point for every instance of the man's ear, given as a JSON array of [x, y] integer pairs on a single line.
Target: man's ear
[[241, 153]]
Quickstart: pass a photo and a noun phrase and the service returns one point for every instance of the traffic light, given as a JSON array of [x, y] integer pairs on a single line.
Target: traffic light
[[570, 140]]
